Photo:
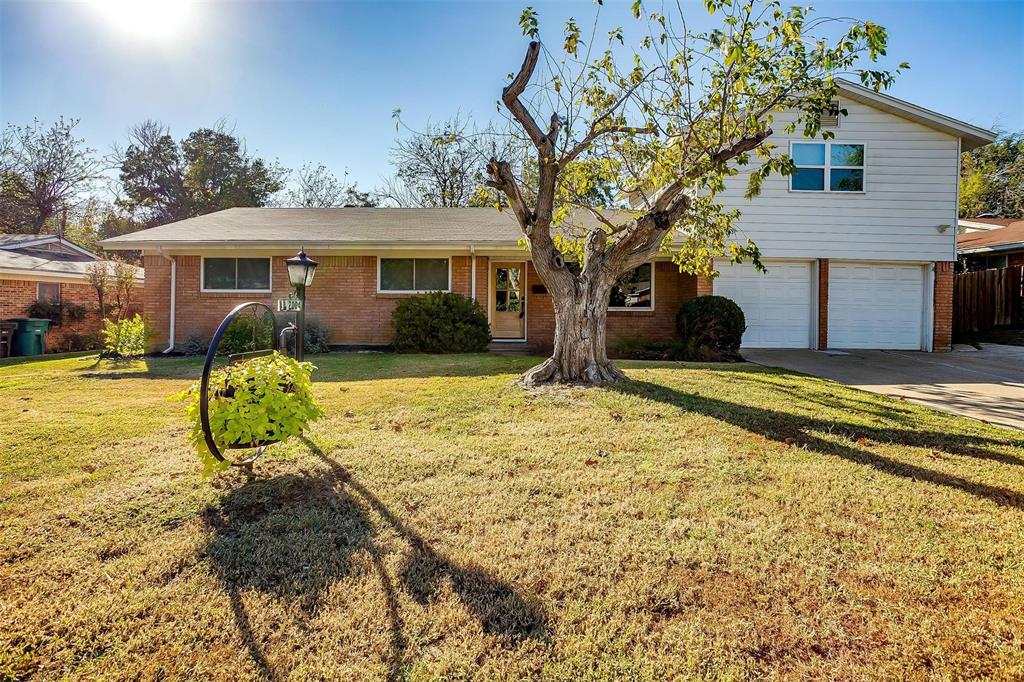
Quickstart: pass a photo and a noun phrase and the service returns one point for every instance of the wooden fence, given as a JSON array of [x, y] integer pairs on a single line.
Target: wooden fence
[[987, 299]]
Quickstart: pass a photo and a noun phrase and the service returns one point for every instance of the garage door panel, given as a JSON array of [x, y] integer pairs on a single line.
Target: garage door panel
[[875, 306], [776, 304]]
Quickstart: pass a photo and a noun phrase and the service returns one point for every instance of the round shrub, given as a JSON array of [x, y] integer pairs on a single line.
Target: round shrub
[[711, 328], [440, 323], [247, 333]]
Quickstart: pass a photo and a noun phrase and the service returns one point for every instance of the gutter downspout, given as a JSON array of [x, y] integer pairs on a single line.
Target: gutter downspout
[[472, 270], [174, 290]]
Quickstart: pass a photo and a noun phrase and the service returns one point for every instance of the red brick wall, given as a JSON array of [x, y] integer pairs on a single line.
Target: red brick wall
[[16, 296], [705, 287], [671, 290], [822, 303], [343, 296], [943, 315]]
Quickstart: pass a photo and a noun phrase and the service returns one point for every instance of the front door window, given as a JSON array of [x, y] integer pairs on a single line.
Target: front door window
[[508, 317]]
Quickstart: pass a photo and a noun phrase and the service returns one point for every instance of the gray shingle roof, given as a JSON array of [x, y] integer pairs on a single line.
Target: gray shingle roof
[[13, 263], [337, 226]]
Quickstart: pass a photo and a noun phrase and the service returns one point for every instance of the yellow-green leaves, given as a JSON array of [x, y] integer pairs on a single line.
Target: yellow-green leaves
[[572, 37], [528, 23], [265, 399]]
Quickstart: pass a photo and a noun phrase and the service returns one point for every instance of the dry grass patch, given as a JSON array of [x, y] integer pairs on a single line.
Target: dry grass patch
[[696, 522]]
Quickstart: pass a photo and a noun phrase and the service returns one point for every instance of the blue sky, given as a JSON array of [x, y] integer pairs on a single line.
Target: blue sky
[[318, 81]]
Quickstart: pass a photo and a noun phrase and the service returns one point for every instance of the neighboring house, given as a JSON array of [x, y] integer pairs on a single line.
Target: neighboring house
[[966, 225], [50, 269], [996, 248], [859, 245]]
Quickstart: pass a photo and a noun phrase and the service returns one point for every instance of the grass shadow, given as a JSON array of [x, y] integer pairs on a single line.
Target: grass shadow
[[798, 430]]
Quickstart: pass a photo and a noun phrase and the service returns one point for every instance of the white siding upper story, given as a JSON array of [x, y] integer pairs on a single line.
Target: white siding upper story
[[905, 213]]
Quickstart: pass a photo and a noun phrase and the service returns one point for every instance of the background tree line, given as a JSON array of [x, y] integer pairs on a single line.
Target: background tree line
[[52, 180], [992, 179]]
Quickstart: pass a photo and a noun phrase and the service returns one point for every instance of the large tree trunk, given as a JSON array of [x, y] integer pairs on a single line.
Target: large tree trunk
[[580, 355]]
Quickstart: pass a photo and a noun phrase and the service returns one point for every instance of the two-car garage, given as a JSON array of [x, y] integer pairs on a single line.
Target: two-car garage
[[869, 305]]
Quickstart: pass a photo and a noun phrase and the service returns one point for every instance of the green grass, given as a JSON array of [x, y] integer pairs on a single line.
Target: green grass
[[696, 522]]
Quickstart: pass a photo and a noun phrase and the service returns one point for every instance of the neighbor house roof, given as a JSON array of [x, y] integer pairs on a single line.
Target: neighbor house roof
[[23, 257], [983, 224], [999, 239], [333, 227]]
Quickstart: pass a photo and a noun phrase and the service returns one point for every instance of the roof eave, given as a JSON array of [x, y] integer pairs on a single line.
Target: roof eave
[[972, 136], [992, 248]]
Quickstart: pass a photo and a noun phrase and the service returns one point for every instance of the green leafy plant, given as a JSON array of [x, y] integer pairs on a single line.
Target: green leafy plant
[[58, 313], [711, 328], [317, 336], [126, 338], [194, 344], [256, 402], [440, 323], [247, 333]]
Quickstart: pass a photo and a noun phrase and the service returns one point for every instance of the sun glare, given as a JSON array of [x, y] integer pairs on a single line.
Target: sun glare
[[146, 19]]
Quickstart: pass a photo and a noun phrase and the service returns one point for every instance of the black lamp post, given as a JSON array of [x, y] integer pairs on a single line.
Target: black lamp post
[[301, 269]]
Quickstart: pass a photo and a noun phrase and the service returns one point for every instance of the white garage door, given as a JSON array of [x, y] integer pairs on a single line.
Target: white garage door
[[875, 306], [777, 303]]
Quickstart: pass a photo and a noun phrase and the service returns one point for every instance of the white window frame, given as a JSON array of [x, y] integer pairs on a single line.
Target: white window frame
[[60, 293], [634, 309], [414, 259], [827, 167], [202, 276]]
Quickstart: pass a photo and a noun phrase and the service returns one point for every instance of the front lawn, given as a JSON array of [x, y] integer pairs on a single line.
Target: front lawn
[[711, 522]]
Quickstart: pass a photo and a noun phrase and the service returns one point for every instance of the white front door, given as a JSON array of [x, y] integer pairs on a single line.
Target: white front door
[[776, 303], [876, 306]]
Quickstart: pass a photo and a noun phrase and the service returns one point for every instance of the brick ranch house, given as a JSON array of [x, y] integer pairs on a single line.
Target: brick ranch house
[[50, 269], [1000, 246], [859, 246]]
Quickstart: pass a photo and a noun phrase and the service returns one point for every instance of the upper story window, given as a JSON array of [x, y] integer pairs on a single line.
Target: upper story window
[[236, 274], [634, 290], [827, 167], [413, 275], [48, 292]]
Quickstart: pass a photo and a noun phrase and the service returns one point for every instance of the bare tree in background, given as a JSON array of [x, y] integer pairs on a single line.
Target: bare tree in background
[[317, 187], [44, 173], [444, 165]]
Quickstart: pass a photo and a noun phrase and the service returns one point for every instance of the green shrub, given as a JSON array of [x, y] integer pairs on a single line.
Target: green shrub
[[440, 323], [76, 342], [247, 333], [125, 339], [58, 313], [261, 400], [194, 344], [317, 336], [711, 328]]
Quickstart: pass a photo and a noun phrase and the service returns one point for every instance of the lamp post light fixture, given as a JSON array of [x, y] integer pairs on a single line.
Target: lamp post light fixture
[[301, 269]]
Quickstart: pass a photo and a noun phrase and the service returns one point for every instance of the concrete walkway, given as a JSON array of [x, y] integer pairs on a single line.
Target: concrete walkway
[[985, 384]]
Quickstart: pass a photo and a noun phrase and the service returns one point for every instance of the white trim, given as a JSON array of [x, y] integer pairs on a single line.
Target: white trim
[[815, 303], [270, 275], [472, 273], [928, 314], [827, 168], [637, 309], [59, 292], [414, 291], [956, 196], [44, 276], [491, 298]]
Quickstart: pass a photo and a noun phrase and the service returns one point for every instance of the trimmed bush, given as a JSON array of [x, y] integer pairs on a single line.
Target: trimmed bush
[[238, 337], [440, 323], [711, 328], [317, 336]]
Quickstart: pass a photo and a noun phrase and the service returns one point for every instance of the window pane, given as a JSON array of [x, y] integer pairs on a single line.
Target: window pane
[[219, 273], [49, 292], [847, 154], [500, 300], [633, 289], [513, 301], [513, 279], [809, 154], [808, 179], [396, 274], [431, 274], [253, 273], [501, 278], [846, 180]]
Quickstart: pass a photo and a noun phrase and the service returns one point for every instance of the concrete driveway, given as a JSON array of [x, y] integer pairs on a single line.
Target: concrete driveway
[[986, 384]]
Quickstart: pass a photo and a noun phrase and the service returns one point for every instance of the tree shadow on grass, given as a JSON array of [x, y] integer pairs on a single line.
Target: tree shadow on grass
[[800, 431], [294, 536], [499, 608]]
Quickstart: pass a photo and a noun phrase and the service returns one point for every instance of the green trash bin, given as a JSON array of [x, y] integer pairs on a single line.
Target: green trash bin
[[30, 339]]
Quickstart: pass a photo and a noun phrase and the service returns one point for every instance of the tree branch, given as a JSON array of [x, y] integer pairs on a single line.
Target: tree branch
[[594, 134], [510, 96]]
